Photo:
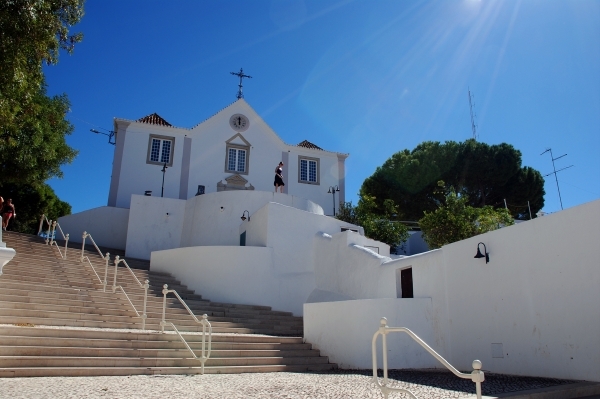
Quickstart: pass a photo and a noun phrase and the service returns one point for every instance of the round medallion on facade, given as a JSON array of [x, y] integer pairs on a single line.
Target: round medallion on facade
[[239, 122]]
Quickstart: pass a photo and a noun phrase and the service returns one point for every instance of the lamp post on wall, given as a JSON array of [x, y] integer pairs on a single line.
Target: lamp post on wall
[[163, 170], [333, 190]]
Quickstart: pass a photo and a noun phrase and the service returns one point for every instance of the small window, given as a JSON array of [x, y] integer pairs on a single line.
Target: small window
[[160, 150], [237, 155], [237, 160], [308, 170]]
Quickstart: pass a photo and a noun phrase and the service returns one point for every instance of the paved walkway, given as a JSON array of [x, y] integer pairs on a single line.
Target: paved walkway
[[340, 384]]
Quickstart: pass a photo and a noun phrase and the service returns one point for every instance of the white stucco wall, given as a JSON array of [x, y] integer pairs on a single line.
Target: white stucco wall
[[352, 324], [135, 175], [243, 275], [538, 296], [214, 219], [106, 224], [344, 265], [328, 177], [154, 224], [276, 267]]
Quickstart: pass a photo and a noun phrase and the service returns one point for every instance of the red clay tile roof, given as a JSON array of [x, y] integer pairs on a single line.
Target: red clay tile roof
[[154, 119], [308, 144]]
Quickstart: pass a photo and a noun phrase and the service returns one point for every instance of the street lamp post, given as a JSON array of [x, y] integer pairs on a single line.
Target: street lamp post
[[333, 190], [163, 170]]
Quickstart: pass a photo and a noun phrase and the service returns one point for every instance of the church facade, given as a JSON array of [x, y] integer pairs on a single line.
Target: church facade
[[232, 150]]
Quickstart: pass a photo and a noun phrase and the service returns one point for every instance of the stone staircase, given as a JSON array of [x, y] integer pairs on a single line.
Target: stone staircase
[[55, 320]]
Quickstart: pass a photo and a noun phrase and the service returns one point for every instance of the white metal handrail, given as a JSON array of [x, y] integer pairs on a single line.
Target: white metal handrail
[[116, 287], [52, 225], [477, 376], [204, 321], [105, 257], [145, 286]]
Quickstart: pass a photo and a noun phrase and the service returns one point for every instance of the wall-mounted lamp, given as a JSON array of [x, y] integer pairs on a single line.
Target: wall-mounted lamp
[[480, 255], [244, 217], [333, 190]]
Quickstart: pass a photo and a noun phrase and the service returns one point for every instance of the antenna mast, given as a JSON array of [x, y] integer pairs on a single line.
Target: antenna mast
[[556, 171], [473, 126]]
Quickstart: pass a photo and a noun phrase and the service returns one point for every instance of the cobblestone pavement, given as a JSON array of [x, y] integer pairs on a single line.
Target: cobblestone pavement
[[425, 384]]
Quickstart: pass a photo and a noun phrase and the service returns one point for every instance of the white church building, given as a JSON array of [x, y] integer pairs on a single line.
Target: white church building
[[222, 230], [232, 150]]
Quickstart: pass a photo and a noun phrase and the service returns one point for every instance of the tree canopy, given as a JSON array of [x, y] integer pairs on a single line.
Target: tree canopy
[[378, 227], [32, 32], [33, 125], [485, 174], [455, 220], [31, 201]]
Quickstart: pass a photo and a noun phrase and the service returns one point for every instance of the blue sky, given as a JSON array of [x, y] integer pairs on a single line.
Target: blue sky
[[368, 78]]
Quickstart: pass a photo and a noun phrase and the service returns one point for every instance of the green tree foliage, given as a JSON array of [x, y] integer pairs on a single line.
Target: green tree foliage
[[32, 32], [456, 220], [33, 125], [36, 149], [31, 201], [486, 174], [379, 227]]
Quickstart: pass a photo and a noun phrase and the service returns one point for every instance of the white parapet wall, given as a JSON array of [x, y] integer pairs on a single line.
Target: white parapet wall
[[244, 275], [155, 224], [275, 269], [344, 331], [534, 309], [106, 224]]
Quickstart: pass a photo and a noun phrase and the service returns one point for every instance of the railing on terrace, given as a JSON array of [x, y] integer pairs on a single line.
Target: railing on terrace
[[204, 321], [116, 287], [49, 239], [477, 376]]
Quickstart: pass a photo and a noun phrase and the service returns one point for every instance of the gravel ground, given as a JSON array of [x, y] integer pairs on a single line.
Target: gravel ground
[[425, 384]]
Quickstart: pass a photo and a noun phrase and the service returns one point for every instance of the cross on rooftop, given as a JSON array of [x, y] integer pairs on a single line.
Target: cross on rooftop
[[242, 76]]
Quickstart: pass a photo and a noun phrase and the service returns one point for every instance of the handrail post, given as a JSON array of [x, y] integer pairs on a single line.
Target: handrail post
[[41, 224], [48, 232], [114, 287], [144, 315], [106, 259], [163, 322], [384, 347], [85, 234], [477, 376], [66, 242], [53, 232]]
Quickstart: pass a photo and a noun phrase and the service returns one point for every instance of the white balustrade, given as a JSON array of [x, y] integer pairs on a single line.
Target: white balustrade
[[52, 225], [477, 376], [116, 287], [83, 257], [205, 324], [145, 286]]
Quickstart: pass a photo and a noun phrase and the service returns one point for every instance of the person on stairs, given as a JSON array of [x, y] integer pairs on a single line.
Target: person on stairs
[[8, 212]]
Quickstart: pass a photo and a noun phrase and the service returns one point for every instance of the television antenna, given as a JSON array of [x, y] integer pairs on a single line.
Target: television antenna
[[473, 125], [556, 171], [110, 134]]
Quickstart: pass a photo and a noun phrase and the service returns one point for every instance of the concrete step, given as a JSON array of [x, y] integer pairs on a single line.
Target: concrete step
[[87, 333], [58, 351], [74, 297], [101, 361], [115, 371], [77, 342], [136, 323]]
